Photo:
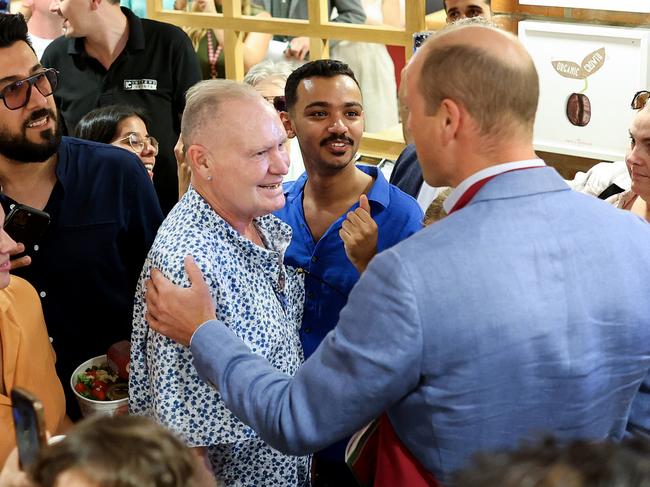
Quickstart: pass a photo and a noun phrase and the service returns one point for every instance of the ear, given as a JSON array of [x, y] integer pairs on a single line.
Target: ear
[[288, 126], [200, 161], [450, 120]]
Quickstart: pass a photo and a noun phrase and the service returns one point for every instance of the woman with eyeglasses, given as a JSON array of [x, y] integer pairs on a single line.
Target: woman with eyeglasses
[[121, 126]]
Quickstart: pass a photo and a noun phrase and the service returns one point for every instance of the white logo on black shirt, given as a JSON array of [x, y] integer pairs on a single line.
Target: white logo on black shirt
[[140, 84]]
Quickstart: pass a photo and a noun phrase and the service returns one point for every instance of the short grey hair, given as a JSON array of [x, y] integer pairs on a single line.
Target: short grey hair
[[269, 70], [202, 103]]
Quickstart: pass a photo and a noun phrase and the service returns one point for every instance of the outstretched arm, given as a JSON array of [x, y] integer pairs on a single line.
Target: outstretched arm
[[368, 363]]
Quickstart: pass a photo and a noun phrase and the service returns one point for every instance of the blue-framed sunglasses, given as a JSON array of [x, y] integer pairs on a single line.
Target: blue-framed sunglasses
[[16, 95]]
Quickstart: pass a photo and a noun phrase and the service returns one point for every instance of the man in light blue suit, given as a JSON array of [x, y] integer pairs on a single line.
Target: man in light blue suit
[[525, 312]]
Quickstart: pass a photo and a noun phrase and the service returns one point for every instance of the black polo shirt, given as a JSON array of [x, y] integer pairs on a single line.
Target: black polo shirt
[[153, 72], [104, 217]]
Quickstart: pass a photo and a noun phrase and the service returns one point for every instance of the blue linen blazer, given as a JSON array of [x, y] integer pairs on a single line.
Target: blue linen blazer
[[526, 313]]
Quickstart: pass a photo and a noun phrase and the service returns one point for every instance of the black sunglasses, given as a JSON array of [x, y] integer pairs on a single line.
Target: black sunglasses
[[17, 94], [278, 102], [640, 99]]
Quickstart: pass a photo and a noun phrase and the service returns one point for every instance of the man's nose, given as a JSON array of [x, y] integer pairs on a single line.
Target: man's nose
[[54, 6], [36, 98], [280, 161], [338, 126]]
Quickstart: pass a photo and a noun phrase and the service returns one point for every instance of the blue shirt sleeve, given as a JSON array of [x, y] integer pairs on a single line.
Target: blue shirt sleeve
[[361, 368]]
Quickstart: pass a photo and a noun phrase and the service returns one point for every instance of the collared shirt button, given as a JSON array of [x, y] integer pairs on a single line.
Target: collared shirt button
[[311, 295], [42, 294], [307, 330], [36, 247], [314, 258]]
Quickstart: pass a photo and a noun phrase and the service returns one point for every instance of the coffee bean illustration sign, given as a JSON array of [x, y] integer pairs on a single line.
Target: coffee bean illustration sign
[[578, 105]]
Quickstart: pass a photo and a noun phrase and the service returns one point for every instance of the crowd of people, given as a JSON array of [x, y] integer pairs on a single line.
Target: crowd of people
[[328, 328]]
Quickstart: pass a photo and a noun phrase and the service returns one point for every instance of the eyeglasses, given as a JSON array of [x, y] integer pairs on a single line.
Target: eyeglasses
[[640, 99], [137, 141], [278, 102], [17, 94]]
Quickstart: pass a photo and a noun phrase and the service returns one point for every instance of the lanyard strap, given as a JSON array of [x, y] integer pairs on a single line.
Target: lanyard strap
[[469, 194]]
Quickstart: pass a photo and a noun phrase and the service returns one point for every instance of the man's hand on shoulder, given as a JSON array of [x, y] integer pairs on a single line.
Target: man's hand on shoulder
[[359, 234], [177, 312]]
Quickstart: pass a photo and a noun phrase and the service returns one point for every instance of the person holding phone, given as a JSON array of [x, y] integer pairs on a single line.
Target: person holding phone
[[103, 211], [26, 355]]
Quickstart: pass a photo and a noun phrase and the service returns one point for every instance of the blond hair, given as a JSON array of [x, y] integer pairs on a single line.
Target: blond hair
[[202, 104]]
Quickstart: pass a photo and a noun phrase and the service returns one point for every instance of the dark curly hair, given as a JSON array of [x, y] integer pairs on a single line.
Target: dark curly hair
[[324, 68], [13, 28]]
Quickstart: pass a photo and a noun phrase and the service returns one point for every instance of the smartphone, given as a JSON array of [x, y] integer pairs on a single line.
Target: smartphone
[[26, 224], [29, 422], [4, 6], [419, 38]]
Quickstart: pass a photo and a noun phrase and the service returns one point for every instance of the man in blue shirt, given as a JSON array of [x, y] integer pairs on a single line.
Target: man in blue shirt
[[335, 207], [523, 313], [103, 209]]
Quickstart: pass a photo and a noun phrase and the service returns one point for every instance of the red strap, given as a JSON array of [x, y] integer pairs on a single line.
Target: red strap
[[467, 196], [396, 465]]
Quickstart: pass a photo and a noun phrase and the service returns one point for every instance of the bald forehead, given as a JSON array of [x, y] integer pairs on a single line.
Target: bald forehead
[[503, 46], [491, 39]]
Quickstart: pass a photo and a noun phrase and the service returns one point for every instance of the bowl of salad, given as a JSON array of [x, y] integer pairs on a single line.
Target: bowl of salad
[[98, 389]]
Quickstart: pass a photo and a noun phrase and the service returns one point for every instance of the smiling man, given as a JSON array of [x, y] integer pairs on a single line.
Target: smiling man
[[103, 210], [110, 56], [334, 208], [223, 220]]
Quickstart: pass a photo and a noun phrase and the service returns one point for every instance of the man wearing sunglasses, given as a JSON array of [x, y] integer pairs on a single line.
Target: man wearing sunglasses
[[103, 211], [110, 56]]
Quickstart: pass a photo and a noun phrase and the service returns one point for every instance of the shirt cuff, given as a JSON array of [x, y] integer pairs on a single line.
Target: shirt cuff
[[201, 326]]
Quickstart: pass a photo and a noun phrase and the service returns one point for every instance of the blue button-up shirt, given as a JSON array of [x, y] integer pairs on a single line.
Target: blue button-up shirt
[[329, 274]]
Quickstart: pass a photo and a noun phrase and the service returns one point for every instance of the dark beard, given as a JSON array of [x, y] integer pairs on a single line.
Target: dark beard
[[19, 148]]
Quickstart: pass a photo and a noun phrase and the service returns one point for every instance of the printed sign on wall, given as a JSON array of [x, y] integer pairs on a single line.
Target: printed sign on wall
[[588, 76]]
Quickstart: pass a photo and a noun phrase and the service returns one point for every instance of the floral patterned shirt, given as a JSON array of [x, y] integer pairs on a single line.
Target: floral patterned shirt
[[258, 298]]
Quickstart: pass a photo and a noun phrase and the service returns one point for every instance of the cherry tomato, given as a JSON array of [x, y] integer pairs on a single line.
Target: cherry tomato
[[98, 393], [80, 387], [100, 384]]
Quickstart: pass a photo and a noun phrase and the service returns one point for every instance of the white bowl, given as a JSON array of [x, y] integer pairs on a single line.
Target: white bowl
[[90, 407]]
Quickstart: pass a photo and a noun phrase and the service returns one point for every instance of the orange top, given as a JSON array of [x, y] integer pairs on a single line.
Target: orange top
[[27, 360]]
